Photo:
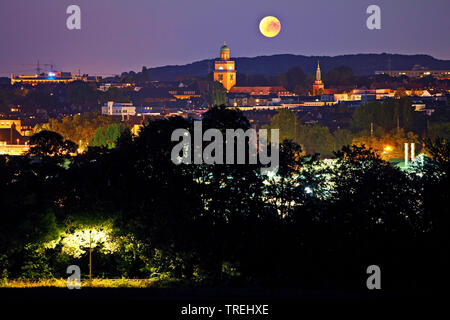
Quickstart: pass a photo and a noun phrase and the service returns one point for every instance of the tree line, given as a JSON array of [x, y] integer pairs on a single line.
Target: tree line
[[86, 129]]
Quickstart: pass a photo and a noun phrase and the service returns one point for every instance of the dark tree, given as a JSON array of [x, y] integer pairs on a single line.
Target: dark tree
[[49, 143]]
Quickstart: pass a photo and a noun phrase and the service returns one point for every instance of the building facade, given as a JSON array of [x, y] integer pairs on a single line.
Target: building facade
[[112, 108], [51, 77]]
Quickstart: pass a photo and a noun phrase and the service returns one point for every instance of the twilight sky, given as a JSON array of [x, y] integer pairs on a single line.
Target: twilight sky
[[123, 35]]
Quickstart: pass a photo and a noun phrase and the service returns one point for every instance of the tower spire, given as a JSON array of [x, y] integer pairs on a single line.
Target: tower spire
[[318, 74], [318, 86]]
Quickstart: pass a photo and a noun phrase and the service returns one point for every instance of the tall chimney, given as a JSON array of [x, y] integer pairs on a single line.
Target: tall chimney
[[110, 107], [413, 152], [406, 155]]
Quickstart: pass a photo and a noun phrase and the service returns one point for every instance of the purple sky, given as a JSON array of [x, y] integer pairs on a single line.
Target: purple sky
[[122, 35]]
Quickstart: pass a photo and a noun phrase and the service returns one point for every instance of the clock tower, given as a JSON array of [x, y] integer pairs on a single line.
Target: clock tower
[[224, 71]]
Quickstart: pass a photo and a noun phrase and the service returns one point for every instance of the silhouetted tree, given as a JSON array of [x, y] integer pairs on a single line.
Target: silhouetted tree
[[49, 143], [216, 94]]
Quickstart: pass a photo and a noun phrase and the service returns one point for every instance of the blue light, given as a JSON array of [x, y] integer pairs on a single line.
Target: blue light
[[51, 74]]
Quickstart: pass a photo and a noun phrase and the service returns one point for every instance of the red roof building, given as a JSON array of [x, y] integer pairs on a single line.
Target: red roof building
[[281, 91]]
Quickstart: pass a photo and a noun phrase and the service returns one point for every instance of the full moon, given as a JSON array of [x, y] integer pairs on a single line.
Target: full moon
[[270, 26]]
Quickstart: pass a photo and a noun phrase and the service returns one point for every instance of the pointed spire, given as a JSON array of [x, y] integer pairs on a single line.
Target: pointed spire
[[318, 74]]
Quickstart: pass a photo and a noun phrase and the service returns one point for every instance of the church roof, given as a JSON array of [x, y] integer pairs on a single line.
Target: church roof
[[11, 136], [224, 47]]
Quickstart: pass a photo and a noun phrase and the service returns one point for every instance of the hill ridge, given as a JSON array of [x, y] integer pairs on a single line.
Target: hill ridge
[[361, 64]]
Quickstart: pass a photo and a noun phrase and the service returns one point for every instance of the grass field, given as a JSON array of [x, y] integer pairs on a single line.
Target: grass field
[[95, 283]]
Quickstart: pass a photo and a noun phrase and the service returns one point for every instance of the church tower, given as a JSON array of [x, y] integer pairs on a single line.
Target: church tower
[[224, 71], [318, 86]]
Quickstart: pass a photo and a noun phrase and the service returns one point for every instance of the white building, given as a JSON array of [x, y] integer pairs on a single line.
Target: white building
[[112, 108], [365, 95]]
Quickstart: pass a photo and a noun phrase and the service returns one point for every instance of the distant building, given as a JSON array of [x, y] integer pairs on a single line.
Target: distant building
[[280, 91], [224, 69], [112, 108], [327, 98], [9, 123], [313, 104], [263, 108], [364, 95], [51, 77], [11, 140], [418, 93], [184, 92], [108, 85], [417, 72], [259, 96], [242, 100], [318, 86]]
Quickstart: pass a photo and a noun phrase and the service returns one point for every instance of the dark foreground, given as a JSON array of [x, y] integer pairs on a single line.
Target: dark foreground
[[281, 303], [200, 294]]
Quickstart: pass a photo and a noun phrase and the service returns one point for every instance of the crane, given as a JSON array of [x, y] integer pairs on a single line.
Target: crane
[[37, 65]]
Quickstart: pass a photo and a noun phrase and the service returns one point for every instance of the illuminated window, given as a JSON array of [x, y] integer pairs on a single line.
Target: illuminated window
[[220, 68]]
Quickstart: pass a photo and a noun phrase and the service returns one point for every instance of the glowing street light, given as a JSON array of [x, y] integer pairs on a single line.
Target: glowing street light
[[81, 241]]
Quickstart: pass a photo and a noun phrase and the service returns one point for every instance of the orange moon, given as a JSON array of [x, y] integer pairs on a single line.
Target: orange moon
[[270, 26]]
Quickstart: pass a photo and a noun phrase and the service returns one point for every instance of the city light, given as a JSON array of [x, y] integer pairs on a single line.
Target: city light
[[308, 190]]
